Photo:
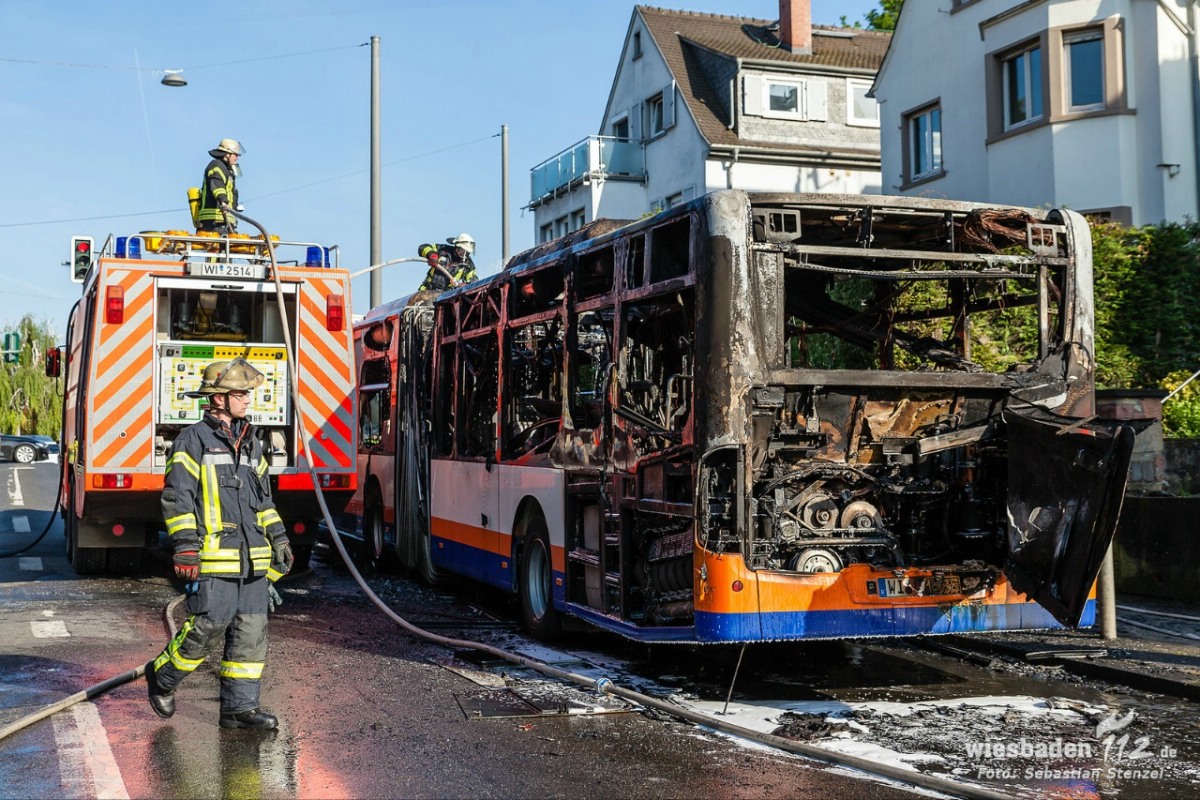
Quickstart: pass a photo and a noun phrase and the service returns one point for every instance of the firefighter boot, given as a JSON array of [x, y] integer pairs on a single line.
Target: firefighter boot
[[162, 702], [254, 718]]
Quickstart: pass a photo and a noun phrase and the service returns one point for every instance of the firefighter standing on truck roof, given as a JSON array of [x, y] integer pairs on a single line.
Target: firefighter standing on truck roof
[[218, 191], [454, 257], [229, 543]]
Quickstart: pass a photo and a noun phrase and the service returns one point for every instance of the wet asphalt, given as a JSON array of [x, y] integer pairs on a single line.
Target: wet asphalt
[[365, 710]]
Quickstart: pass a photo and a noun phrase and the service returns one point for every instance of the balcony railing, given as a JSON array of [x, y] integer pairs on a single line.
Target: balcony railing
[[595, 157]]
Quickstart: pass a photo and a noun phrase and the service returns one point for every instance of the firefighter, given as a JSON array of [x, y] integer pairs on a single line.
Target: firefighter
[[218, 191], [230, 545], [454, 257]]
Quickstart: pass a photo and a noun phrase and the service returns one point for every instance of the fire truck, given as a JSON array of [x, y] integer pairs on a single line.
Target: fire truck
[[157, 307]]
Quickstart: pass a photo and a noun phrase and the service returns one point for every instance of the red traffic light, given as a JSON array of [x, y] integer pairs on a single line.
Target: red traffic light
[[83, 246]]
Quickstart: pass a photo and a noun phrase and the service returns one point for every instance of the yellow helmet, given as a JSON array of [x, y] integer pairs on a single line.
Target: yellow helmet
[[221, 377]]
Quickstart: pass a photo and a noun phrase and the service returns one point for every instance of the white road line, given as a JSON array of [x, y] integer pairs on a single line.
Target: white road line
[[87, 768], [32, 563], [20, 524], [17, 498], [49, 629]]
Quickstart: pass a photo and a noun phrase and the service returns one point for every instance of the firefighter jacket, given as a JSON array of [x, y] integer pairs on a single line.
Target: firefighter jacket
[[217, 187], [463, 271], [217, 499]]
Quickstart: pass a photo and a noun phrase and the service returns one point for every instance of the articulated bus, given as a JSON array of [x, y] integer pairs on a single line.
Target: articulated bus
[[756, 417]]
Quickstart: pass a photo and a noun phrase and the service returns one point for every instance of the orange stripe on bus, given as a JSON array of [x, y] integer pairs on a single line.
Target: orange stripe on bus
[[470, 535]]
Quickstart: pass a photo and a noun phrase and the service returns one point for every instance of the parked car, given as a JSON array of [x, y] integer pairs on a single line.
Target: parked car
[[50, 442], [23, 449]]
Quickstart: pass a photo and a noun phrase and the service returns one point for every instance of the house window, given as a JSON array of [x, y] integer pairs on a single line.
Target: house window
[[786, 98], [1022, 72], [561, 226], [1083, 64], [654, 115], [783, 98], [924, 130], [860, 109], [547, 232], [578, 219], [620, 129], [637, 45]]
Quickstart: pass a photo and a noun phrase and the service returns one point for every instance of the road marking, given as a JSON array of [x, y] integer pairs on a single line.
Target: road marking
[[17, 498], [85, 760], [33, 563], [20, 524], [49, 629]]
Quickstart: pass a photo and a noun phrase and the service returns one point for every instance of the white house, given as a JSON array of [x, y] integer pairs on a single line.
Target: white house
[[1090, 104], [704, 101]]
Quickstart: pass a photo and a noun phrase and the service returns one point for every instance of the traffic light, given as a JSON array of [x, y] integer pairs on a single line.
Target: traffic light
[[12, 348], [81, 257]]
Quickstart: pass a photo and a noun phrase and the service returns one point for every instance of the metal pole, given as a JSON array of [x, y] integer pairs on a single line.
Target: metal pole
[[504, 193], [376, 205], [1107, 598]]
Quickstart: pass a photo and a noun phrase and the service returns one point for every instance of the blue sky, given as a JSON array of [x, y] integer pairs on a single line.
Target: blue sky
[[87, 134]]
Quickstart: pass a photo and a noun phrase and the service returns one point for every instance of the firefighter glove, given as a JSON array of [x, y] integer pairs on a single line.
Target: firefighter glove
[[282, 557], [187, 564], [274, 599]]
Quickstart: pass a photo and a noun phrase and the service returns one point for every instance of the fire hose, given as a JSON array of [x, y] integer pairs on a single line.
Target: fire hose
[[604, 685]]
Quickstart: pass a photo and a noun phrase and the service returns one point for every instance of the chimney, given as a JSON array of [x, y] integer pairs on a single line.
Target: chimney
[[795, 26]]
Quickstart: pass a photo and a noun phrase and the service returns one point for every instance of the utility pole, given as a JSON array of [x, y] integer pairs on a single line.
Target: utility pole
[[376, 204], [503, 195]]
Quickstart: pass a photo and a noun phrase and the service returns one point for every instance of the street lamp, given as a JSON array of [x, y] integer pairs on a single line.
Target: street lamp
[[173, 77]]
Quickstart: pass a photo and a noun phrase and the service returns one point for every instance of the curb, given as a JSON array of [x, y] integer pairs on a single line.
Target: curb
[[1084, 667]]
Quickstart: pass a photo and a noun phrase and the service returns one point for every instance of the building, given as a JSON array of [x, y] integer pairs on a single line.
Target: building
[[1089, 104], [703, 101]]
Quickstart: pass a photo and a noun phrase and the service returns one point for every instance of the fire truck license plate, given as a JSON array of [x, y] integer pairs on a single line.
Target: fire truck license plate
[[255, 272]]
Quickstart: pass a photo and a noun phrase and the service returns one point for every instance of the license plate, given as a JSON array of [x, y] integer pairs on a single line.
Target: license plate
[[255, 272], [891, 587]]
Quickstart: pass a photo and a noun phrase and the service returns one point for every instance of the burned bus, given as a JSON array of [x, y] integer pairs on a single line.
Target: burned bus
[[756, 417]]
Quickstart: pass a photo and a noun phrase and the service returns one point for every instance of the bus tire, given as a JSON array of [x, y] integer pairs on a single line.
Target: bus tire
[[538, 614]]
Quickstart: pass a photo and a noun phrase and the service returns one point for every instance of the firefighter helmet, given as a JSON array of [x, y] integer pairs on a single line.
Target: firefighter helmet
[[465, 241], [227, 147], [222, 377]]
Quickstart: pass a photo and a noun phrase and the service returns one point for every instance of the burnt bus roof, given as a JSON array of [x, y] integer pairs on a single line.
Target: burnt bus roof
[[603, 230]]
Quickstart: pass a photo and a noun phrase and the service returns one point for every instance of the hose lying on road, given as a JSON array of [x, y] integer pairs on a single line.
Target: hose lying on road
[[92, 691], [906, 776]]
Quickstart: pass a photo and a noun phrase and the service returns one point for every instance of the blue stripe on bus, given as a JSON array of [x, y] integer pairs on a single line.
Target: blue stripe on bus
[[895, 621], [484, 566]]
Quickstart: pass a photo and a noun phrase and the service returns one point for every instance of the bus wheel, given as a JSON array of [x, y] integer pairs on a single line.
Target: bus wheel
[[537, 604]]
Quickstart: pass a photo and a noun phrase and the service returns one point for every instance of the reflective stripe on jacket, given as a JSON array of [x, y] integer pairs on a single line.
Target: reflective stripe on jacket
[[217, 187], [217, 499]]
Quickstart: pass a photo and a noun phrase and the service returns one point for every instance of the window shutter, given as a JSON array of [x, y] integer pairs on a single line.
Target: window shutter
[[816, 94], [752, 95], [635, 122], [669, 106]]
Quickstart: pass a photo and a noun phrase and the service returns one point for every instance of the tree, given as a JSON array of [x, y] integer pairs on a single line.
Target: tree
[[883, 19], [29, 401]]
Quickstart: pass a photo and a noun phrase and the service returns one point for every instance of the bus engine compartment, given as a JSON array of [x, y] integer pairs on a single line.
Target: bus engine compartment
[[927, 406]]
